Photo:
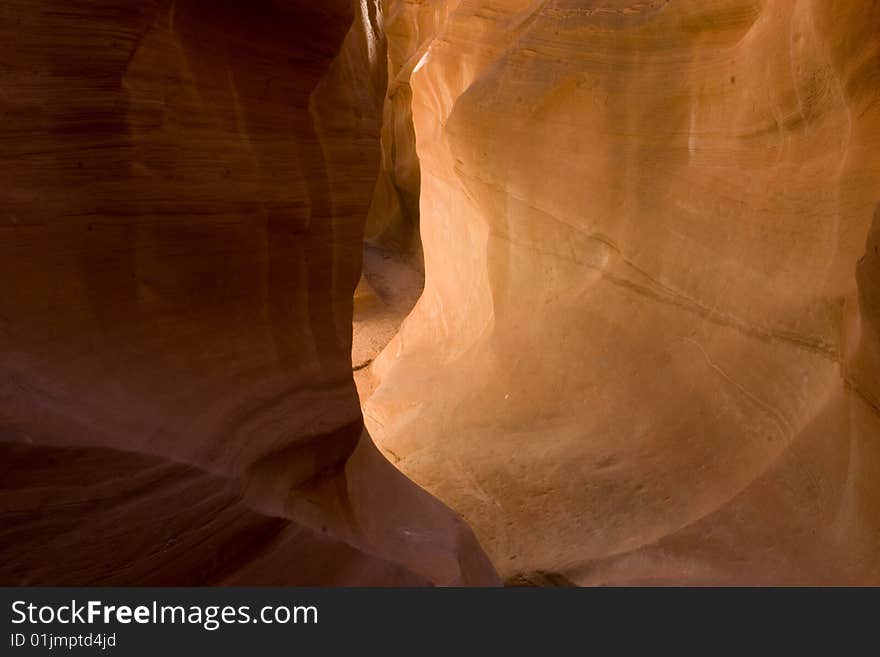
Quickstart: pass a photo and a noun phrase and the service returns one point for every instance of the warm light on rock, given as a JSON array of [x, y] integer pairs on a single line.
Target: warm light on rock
[[643, 354]]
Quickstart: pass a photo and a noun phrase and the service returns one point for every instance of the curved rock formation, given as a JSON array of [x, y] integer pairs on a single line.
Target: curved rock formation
[[393, 220], [185, 188], [645, 352], [648, 346]]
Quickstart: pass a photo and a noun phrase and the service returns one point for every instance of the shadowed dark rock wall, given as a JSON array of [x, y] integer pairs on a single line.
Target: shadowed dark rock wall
[[185, 188]]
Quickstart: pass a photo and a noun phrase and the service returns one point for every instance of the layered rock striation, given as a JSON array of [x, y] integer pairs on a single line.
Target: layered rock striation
[[185, 190]]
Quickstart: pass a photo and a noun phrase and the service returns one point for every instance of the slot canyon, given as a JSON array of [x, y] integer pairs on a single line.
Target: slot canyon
[[440, 292]]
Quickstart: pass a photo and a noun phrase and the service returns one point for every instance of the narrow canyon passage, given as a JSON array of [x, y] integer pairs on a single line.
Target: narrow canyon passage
[[390, 286], [440, 292]]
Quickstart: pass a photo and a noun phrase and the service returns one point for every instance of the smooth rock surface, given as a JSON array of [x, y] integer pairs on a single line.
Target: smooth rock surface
[[647, 349]]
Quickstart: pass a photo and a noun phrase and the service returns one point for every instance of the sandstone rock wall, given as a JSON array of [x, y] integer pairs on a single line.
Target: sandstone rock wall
[[185, 189], [645, 352]]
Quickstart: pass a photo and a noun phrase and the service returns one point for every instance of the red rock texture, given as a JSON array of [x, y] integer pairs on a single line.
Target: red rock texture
[[185, 188]]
